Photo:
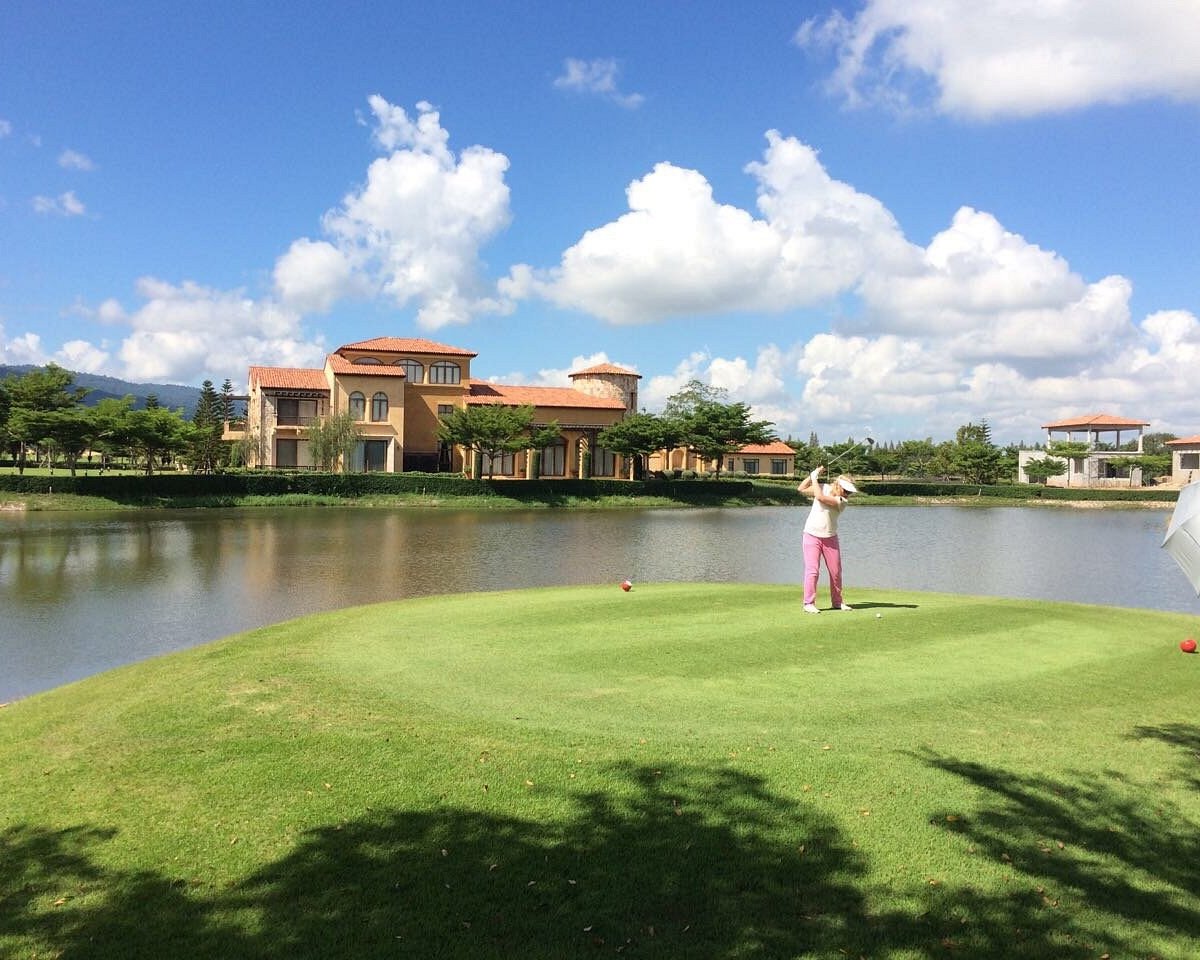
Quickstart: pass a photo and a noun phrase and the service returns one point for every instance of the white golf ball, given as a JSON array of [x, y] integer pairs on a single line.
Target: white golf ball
[[879, 616]]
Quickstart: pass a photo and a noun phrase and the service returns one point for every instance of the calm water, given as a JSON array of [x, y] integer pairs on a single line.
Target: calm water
[[81, 594]]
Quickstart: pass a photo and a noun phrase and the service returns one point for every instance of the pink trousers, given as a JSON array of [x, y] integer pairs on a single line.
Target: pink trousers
[[816, 549]]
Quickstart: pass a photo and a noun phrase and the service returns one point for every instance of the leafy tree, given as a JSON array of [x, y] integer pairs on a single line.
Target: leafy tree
[[1069, 450], [916, 458], [976, 458], [1043, 468], [493, 429], [851, 456], [711, 427], [331, 441], [809, 455], [153, 434], [638, 436], [32, 394], [1154, 444]]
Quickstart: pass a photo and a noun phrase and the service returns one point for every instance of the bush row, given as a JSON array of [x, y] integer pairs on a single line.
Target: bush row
[[1014, 491], [126, 489]]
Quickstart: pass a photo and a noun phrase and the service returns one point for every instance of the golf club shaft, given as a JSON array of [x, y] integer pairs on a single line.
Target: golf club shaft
[[867, 442]]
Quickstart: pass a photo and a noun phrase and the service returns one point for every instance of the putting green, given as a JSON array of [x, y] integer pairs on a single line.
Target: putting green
[[680, 770]]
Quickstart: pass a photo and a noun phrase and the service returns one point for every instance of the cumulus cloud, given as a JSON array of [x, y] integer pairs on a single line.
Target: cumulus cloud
[[994, 58], [64, 205], [73, 160], [596, 76], [183, 333], [680, 252], [412, 233]]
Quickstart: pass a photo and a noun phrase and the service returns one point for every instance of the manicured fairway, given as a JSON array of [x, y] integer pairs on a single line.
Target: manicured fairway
[[681, 771]]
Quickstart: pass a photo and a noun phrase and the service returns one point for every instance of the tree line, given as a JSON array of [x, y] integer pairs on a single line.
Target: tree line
[[43, 418]]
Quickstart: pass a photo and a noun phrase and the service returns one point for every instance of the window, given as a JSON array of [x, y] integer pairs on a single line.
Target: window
[[368, 361], [379, 407], [444, 372], [604, 463], [501, 466], [750, 466], [358, 405], [285, 453], [414, 372], [445, 409], [779, 468], [1189, 461], [729, 465], [293, 413], [554, 460]]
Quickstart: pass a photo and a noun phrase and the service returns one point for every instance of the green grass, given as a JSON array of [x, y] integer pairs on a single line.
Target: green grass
[[681, 771]]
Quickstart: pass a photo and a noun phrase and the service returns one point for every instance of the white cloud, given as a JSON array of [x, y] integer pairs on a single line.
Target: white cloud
[[64, 205], [82, 356], [412, 232], [994, 58], [73, 160], [678, 252], [596, 76], [23, 349], [6, 129]]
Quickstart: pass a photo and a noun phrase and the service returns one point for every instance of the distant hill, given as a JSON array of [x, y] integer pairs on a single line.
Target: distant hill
[[170, 395]]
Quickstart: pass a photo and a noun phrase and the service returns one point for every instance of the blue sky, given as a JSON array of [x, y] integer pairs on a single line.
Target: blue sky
[[889, 217]]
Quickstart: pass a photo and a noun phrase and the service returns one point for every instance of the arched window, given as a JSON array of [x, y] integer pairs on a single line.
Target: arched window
[[414, 372], [379, 407], [358, 405], [368, 361], [444, 372]]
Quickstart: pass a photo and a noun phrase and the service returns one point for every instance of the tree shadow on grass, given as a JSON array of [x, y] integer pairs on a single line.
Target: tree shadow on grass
[[1185, 737], [671, 862], [1119, 848]]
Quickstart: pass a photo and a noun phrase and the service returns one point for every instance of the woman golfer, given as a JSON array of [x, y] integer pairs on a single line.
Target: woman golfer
[[821, 539]]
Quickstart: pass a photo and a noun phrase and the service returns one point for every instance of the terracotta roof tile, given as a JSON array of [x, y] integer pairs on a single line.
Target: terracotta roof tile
[[1094, 420], [289, 378], [482, 391], [606, 368], [406, 345], [340, 364], [1185, 441], [774, 447]]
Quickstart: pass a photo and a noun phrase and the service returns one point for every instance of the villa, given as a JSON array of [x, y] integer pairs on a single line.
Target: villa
[[398, 389]]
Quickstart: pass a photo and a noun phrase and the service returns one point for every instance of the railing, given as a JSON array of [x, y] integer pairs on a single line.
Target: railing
[[294, 421]]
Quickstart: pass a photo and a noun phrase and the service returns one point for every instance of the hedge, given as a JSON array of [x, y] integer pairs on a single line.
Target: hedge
[[125, 488]]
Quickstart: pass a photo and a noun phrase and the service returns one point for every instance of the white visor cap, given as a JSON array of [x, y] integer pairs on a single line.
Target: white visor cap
[[847, 485]]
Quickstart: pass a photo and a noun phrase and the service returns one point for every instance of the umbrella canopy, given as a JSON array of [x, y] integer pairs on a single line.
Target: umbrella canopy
[[1183, 535]]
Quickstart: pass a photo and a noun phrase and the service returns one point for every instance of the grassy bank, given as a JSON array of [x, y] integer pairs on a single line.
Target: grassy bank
[[681, 771]]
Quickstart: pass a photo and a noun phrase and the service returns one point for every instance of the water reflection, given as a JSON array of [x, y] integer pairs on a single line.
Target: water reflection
[[80, 594]]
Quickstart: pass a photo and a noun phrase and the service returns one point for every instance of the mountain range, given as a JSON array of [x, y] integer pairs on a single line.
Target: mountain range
[[170, 395]]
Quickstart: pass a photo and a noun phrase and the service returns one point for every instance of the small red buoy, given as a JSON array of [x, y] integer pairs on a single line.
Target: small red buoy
[[627, 585], [1188, 645]]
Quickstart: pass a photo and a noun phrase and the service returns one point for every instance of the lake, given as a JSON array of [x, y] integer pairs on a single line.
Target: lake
[[81, 593]]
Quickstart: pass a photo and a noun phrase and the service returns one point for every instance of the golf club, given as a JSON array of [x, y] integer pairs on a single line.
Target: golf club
[[867, 442]]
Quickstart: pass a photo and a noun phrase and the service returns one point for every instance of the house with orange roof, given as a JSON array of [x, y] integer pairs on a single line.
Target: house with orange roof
[[1185, 459], [775, 459], [1096, 468], [397, 390]]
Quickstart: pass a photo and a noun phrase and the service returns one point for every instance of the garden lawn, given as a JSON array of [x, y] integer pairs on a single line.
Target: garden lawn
[[681, 771]]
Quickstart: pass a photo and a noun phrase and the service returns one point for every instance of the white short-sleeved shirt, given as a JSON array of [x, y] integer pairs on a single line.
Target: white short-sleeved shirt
[[822, 520]]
